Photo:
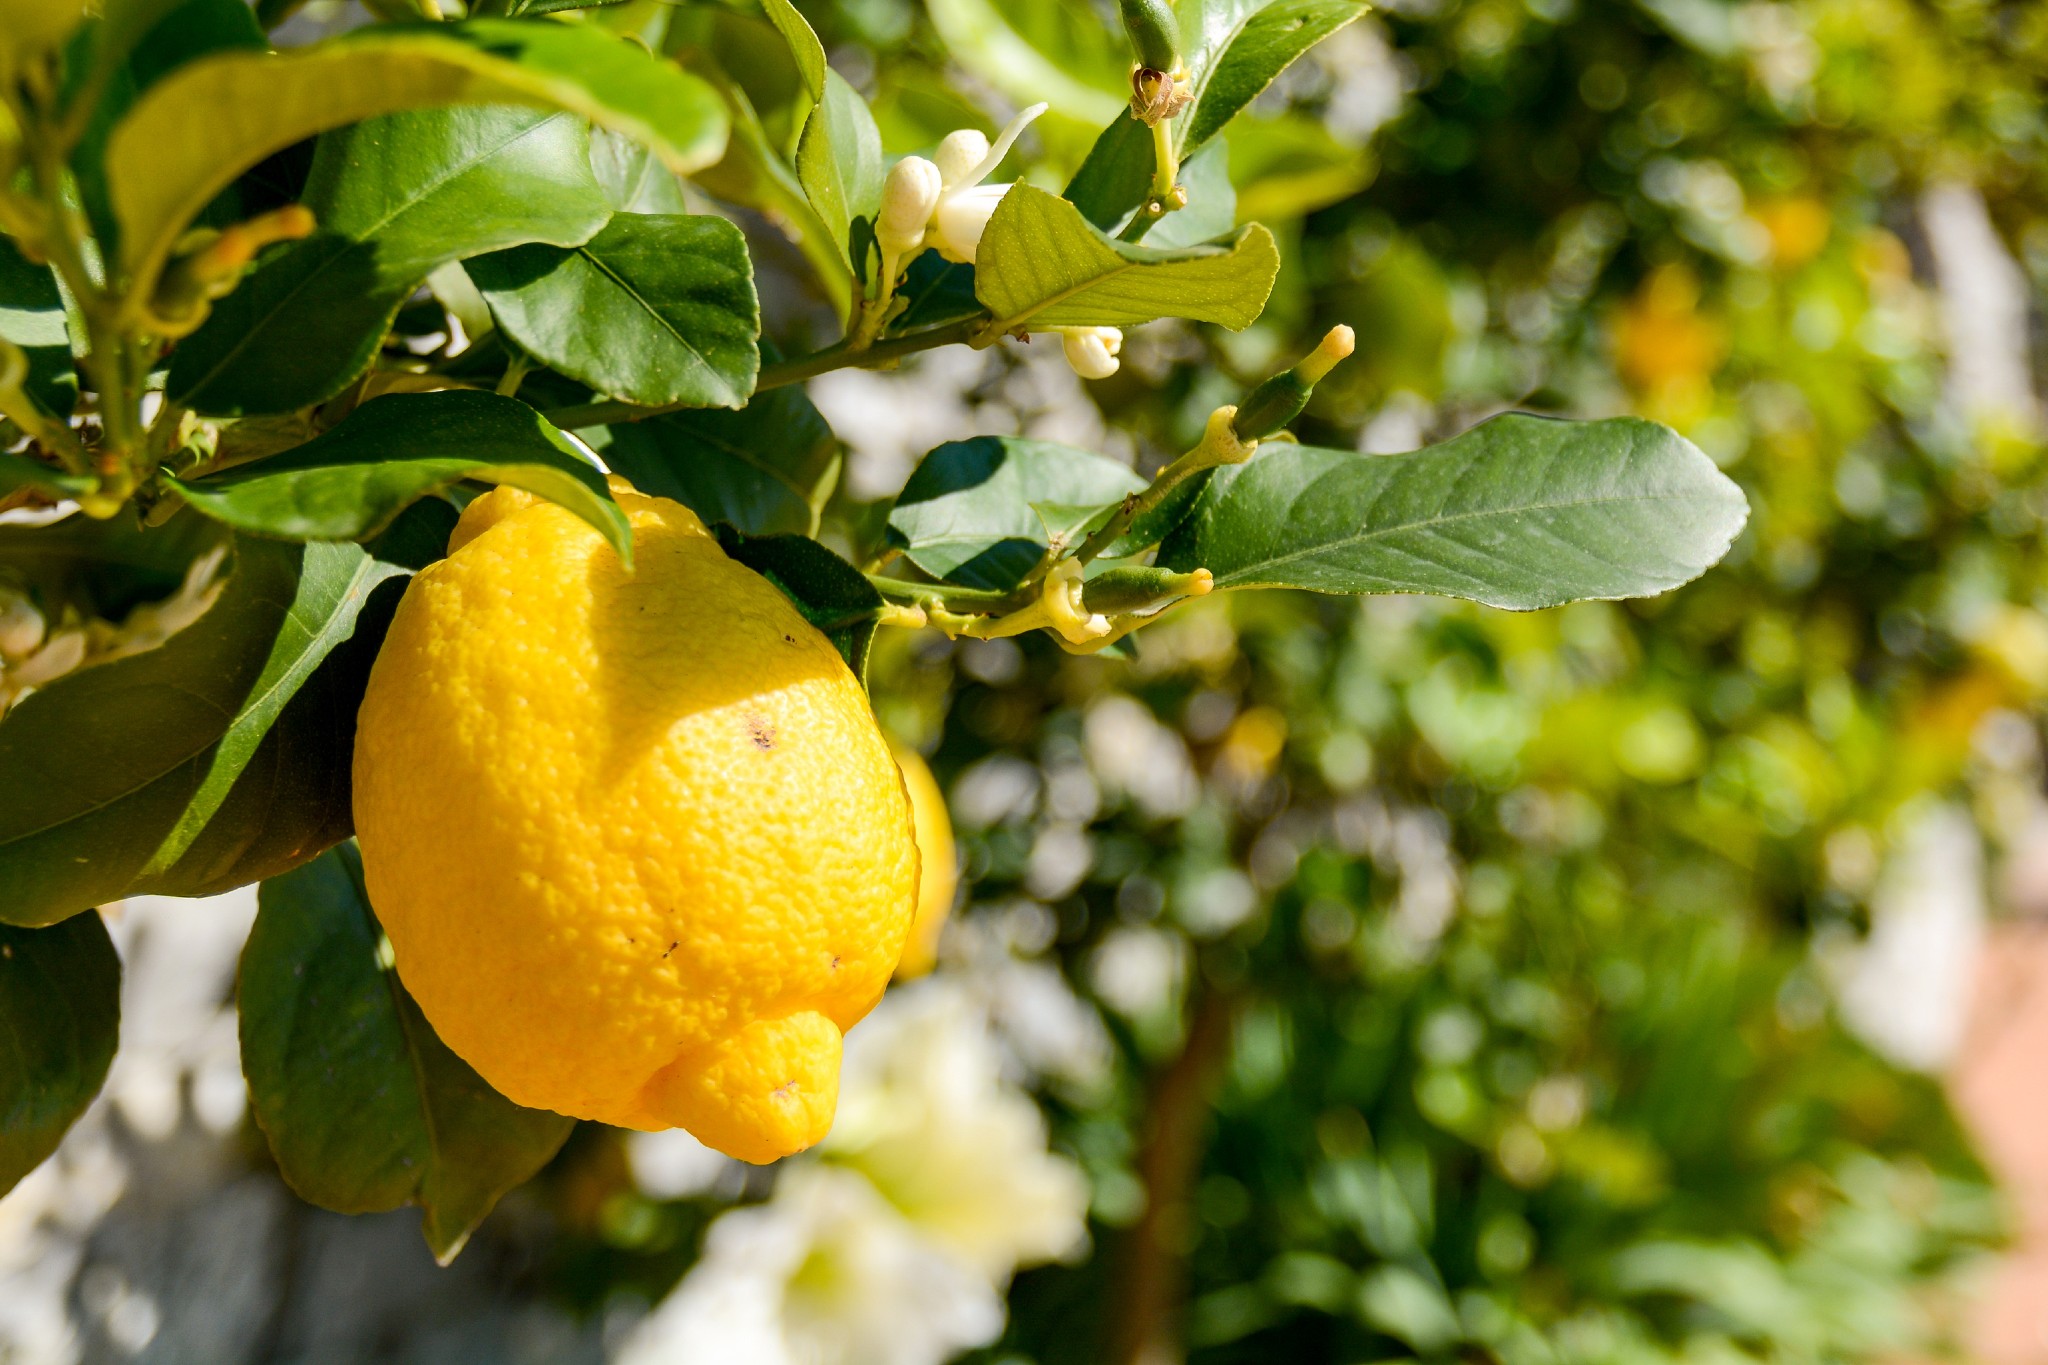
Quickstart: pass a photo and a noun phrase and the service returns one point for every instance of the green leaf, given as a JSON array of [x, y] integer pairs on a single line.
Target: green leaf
[[765, 469], [1291, 165], [656, 309], [32, 317], [193, 132], [1234, 49], [112, 772], [937, 291], [1257, 42], [394, 197], [966, 513], [839, 161], [18, 471], [138, 43], [1041, 264], [1520, 512], [335, 580], [633, 178], [351, 482], [830, 593], [803, 44], [365, 1108], [60, 1017]]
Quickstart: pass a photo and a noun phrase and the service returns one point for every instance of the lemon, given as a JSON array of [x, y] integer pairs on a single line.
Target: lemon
[[641, 851], [940, 871]]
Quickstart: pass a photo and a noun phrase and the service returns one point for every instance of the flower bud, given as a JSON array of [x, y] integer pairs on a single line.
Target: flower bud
[[21, 627], [909, 196], [1154, 31], [959, 154], [1092, 351]]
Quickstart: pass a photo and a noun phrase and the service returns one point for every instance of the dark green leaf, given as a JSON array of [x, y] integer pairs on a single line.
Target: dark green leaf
[[194, 131], [765, 469], [966, 514], [839, 161], [633, 178], [656, 309], [109, 773], [293, 798], [365, 1108], [1520, 512], [18, 471], [394, 197], [60, 1019], [350, 483], [832, 595], [937, 291], [1234, 49], [335, 580], [1041, 265], [1258, 41], [32, 317], [1116, 177]]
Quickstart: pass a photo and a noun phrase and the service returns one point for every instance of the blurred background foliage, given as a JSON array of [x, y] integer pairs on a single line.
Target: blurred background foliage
[[1476, 981]]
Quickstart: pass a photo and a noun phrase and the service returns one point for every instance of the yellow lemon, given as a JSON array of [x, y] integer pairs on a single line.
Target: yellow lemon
[[641, 851], [940, 873]]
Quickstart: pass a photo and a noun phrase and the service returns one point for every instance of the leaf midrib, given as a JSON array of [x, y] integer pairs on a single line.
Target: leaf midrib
[[1432, 523], [703, 361]]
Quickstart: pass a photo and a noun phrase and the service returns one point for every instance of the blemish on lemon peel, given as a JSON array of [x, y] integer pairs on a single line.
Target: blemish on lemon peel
[[547, 742]]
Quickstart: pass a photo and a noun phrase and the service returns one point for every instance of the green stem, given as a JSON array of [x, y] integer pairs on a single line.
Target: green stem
[[971, 600], [839, 356], [107, 350], [1220, 445]]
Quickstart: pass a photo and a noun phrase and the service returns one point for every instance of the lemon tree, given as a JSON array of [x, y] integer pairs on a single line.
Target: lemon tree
[[313, 360]]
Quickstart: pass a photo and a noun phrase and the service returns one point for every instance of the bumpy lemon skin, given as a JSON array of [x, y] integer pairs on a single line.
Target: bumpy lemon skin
[[940, 875], [641, 851]]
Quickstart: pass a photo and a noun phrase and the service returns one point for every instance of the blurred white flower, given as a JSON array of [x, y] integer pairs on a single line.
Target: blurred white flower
[[924, 1113], [891, 1244], [1133, 753], [673, 1165], [1138, 971], [825, 1273]]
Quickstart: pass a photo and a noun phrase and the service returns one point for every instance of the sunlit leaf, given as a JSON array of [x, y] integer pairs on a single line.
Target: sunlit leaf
[[1520, 512], [967, 514], [188, 137], [1041, 264], [656, 309], [394, 198], [350, 483]]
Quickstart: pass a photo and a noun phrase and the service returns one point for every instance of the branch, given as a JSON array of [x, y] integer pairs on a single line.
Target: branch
[[1148, 1300]]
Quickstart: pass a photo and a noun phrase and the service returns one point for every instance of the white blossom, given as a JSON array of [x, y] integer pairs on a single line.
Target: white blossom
[[825, 1273]]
